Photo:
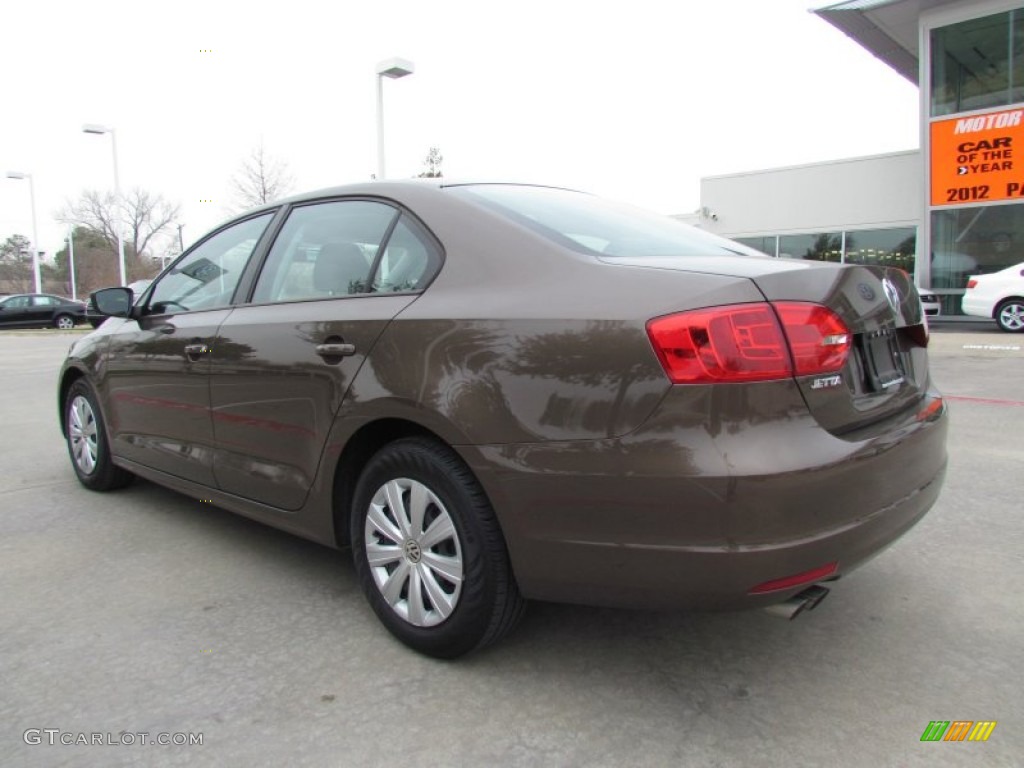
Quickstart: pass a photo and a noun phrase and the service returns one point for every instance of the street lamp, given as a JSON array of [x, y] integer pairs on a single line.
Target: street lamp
[[394, 69], [71, 259], [35, 235], [99, 130]]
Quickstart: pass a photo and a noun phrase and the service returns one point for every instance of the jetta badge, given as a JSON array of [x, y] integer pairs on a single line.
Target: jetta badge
[[826, 382], [891, 294]]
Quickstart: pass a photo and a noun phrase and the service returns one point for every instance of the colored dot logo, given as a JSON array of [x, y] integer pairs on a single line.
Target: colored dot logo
[[206, 50], [205, 200]]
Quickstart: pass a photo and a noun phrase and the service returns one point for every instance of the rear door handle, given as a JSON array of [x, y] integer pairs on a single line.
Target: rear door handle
[[335, 350], [192, 351]]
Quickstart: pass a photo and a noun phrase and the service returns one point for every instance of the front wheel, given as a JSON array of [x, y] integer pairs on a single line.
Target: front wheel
[[1010, 316], [64, 322], [429, 553], [87, 441]]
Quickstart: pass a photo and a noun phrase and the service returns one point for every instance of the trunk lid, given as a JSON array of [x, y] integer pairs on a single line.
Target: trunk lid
[[887, 368]]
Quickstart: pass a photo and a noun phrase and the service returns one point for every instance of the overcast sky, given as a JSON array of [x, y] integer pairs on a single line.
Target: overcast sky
[[631, 100]]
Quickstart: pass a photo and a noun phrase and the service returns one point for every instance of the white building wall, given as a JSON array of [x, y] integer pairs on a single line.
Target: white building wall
[[858, 193]]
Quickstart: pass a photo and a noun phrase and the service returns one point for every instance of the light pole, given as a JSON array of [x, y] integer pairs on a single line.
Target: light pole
[[35, 235], [394, 69], [71, 259], [100, 130]]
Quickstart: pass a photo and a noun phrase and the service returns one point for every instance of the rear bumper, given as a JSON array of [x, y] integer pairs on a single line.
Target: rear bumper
[[977, 307], [694, 517]]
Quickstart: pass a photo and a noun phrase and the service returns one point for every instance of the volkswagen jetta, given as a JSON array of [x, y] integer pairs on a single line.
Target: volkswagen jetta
[[495, 393]]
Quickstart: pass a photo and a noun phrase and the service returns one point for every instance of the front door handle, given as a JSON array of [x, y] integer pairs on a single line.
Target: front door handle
[[335, 350]]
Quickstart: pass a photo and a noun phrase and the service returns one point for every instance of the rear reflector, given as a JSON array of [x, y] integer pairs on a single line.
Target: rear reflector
[[932, 410], [796, 580], [972, 283], [750, 342]]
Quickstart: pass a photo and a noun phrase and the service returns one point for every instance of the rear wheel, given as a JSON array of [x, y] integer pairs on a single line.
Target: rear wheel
[[64, 322], [1010, 315], [87, 441], [429, 553]]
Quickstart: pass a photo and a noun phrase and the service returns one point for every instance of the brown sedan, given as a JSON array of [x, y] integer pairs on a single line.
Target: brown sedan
[[500, 392]]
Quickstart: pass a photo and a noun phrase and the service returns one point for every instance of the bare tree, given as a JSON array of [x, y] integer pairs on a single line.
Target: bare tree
[[261, 179], [146, 221], [144, 217], [432, 162]]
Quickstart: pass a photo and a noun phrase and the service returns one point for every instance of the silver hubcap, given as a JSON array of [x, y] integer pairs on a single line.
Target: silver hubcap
[[1012, 316], [413, 551], [66, 323], [82, 434]]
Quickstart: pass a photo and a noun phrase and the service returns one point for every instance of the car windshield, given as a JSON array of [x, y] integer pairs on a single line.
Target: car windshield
[[596, 226]]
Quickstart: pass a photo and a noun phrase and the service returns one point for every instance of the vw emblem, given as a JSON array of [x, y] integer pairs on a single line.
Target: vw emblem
[[891, 295], [412, 550], [866, 292]]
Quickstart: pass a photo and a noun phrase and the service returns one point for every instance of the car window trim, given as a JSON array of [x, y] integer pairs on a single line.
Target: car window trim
[[431, 243], [234, 300], [400, 211]]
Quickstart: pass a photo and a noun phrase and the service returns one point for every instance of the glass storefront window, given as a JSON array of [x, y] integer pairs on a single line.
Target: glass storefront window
[[883, 248], [762, 244], [824, 246], [972, 67], [973, 241], [1017, 56]]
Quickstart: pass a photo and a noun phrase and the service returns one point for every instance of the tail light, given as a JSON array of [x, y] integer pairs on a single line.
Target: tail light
[[750, 342], [818, 338], [972, 283]]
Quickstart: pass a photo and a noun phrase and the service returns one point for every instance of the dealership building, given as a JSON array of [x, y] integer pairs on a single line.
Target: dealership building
[[954, 208]]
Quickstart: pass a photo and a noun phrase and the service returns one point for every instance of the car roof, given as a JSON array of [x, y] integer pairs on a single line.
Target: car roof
[[389, 187]]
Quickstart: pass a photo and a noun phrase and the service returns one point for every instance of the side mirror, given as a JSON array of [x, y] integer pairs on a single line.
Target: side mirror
[[115, 302]]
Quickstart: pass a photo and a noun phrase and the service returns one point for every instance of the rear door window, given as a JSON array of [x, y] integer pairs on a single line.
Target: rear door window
[[347, 248]]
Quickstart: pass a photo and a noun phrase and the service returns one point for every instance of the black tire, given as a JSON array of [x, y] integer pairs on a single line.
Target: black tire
[[1009, 316], [86, 438], [472, 613], [64, 322]]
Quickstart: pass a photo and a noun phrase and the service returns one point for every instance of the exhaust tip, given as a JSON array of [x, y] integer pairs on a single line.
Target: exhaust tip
[[807, 600]]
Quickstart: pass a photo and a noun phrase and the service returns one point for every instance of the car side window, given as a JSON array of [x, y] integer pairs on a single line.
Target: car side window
[[324, 250], [207, 276], [409, 261], [42, 301], [18, 302]]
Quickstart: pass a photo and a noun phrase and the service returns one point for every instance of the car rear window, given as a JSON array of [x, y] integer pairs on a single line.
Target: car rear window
[[596, 226]]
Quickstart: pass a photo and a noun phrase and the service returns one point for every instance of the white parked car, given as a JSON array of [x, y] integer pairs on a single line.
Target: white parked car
[[999, 296]]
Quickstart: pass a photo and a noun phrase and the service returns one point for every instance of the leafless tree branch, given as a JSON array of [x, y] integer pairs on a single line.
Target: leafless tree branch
[[261, 179]]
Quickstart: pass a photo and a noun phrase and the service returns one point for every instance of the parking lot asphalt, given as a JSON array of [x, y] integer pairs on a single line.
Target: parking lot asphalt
[[144, 611]]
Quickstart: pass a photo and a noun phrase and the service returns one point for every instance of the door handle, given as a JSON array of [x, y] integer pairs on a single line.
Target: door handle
[[335, 350], [193, 351]]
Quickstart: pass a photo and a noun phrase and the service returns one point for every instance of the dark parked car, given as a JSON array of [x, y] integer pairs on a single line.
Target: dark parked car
[[500, 392], [40, 310]]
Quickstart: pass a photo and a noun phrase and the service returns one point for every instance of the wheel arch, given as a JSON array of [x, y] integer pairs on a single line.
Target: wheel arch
[[358, 451], [67, 379], [1002, 301]]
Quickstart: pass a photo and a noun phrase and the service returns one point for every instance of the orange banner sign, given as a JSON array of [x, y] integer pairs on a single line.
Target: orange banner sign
[[978, 159]]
